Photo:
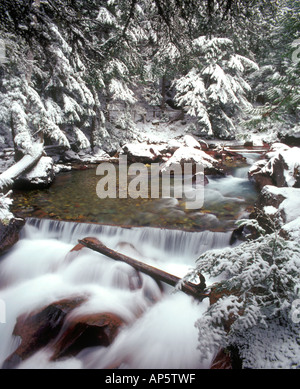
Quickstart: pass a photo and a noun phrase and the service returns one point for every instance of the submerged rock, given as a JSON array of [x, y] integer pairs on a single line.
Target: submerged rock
[[55, 326], [89, 330], [37, 329]]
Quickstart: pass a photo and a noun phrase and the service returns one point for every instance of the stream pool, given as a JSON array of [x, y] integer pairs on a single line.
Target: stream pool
[[73, 197]]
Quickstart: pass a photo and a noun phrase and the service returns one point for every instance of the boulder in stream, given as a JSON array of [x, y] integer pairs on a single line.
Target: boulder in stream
[[280, 167], [41, 176], [87, 330], [141, 152], [9, 233], [56, 326], [37, 329], [194, 156]]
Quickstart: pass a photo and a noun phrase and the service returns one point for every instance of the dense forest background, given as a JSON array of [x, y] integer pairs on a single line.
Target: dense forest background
[[83, 74]]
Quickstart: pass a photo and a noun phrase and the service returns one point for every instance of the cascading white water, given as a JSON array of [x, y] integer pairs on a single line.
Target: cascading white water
[[159, 331]]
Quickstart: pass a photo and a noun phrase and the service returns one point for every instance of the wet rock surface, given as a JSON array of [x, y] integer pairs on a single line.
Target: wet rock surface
[[89, 330], [38, 328], [54, 326], [9, 233]]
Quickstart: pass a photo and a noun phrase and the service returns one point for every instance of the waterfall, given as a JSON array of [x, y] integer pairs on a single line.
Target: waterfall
[[149, 239], [159, 331]]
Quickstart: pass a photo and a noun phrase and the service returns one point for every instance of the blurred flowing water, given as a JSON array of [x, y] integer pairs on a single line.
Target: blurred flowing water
[[159, 330]]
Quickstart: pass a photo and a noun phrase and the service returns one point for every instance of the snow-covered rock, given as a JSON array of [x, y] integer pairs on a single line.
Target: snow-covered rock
[[289, 207], [148, 152], [58, 168], [141, 152], [279, 206], [291, 230], [191, 155], [281, 167], [41, 176], [190, 141]]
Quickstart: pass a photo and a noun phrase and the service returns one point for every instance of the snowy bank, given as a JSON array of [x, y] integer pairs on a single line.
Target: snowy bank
[[281, 167], [9, 225], [279, 208]]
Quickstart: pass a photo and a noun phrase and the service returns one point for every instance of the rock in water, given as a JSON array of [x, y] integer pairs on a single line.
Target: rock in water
[[37, 329], [9, 233], [141, 152], [57, 327], [41, 176], [89, 330], [193, 156]]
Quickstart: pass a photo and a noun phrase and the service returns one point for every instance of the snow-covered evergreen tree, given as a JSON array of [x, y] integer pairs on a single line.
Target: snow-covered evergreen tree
[[74, 58], [259, 282], [276, 84], [215, 89]]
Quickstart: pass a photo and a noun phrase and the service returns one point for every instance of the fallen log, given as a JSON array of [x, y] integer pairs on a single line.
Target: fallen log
[[196, 290]]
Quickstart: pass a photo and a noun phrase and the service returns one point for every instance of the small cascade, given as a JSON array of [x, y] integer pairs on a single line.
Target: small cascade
[[158, 328], [150, 242], [42, 268]]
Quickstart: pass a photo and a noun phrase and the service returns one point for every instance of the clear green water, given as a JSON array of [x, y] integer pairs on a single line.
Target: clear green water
[[73, 197]]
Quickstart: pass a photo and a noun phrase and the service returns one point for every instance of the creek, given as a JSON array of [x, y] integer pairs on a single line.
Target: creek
[[159, 329]]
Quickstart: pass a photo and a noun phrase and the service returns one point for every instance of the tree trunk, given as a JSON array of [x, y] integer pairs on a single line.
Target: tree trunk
[[30, 56], [163, 93], [195, 290]]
